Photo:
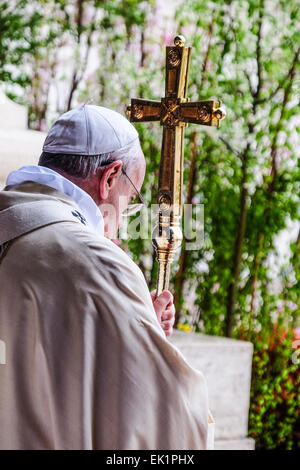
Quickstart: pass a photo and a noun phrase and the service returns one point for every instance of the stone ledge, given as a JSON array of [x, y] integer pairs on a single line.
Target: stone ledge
[[183, 337], [226, 364], [235, 444]]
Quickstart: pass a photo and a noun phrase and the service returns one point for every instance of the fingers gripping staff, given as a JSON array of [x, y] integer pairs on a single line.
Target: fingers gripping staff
[[165, 310]]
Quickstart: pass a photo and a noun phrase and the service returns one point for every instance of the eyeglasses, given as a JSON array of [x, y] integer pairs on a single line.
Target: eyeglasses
[[132, 208]]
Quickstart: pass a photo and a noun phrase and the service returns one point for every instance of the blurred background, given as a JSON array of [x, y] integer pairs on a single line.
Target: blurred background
[[244, 282]]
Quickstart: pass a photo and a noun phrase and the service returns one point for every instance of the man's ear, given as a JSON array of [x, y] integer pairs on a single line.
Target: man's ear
[[109, 178]]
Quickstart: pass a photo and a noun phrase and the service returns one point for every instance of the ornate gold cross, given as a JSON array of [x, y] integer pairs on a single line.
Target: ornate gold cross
[[174, 112]]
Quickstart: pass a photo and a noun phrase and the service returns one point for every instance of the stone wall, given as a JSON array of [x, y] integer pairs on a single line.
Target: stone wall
[[226, 364], [18, 145]]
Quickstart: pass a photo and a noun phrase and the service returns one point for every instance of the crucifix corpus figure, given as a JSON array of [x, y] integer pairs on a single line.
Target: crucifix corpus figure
[[174, 112]]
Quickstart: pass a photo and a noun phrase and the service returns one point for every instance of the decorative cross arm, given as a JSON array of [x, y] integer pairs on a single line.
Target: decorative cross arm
[[172, 111]]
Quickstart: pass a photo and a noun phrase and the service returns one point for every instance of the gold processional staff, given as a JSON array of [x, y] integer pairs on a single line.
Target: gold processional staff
[[174, 112]]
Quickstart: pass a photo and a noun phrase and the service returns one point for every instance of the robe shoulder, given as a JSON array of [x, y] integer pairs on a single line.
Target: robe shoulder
[[82, 333], [81, 262]]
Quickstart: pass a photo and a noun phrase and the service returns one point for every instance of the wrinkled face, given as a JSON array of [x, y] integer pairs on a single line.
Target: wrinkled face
[[117, 192]]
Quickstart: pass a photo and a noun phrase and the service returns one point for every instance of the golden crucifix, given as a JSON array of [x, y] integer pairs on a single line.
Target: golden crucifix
[[174, 112]]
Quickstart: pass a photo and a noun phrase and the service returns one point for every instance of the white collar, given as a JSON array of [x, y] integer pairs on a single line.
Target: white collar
[[43, 175]]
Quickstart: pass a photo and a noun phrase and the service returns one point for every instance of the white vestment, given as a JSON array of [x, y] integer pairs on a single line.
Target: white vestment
[[87, 364]]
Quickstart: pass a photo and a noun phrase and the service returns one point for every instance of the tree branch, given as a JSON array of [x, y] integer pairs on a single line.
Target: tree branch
[[271, 185], [77, 76], [230, 148], [258, 51], [282, 82], [238, 248], [274, 169], [180, 275]]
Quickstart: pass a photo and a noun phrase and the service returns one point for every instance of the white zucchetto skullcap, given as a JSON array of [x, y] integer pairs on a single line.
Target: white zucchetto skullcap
[[89, 130]]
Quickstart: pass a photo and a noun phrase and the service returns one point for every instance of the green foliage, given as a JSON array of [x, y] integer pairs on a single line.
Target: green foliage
[[247, 172], [18, 33], [239, 172], [275, 395]]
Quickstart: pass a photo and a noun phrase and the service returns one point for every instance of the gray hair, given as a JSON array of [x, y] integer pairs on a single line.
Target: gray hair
[[86, 166]]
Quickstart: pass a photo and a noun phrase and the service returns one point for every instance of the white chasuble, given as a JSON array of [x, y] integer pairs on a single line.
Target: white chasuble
[[87, 365]]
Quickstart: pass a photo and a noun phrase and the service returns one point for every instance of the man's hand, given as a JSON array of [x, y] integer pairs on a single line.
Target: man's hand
[[165, 310]]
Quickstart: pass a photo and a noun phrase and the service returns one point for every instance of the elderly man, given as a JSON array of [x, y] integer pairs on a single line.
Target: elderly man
[[87, 361]]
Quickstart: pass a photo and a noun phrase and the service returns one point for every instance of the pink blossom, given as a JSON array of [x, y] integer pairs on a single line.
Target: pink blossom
[[297, 333], [285, 153], [291, 305], [185, 30], [43, 126], [168, 38], [152, 49], [215, 287]]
